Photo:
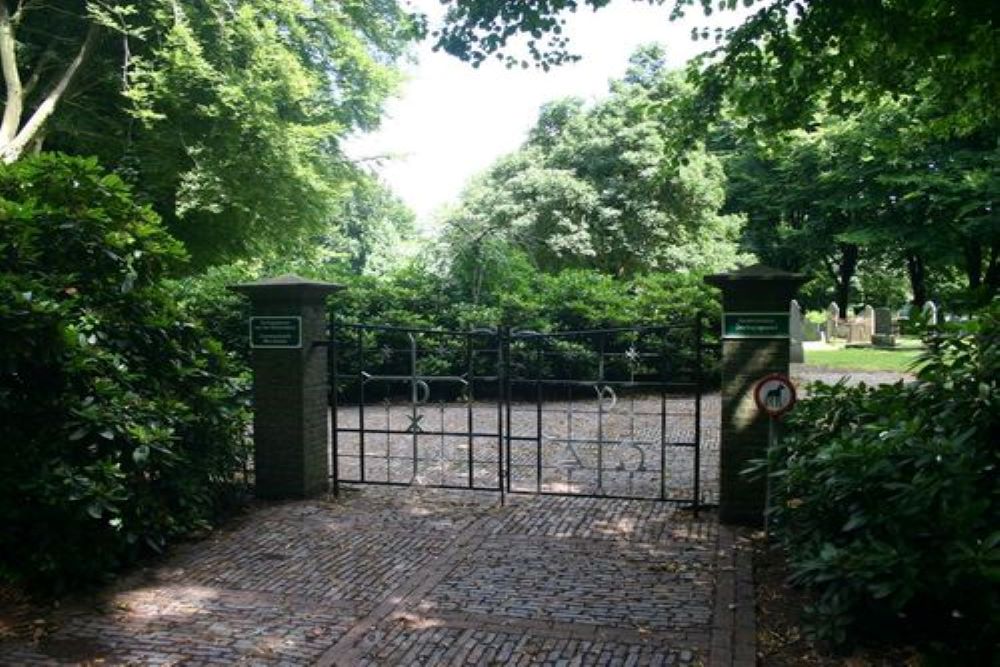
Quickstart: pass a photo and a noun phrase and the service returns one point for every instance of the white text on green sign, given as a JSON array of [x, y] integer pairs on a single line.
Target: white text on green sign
[[755, 325], [276, 332]]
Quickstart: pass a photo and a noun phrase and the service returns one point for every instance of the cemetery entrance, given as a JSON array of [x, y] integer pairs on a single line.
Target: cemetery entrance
[[601, 413]]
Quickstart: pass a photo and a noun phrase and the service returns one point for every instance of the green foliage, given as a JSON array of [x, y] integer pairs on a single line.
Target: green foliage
[[416, 295], [869, 198], [882, 282], [371, 226], [790, 58], [121, 420], [616, 187], [787, 56], [816, 316], [886, 499], [227, 117]]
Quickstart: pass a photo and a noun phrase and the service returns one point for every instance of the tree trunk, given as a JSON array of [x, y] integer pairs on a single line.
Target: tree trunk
[[973, 252], [846, 268], [993, 270], [14, 100], [477, 273], [11, 149], [918, 278]]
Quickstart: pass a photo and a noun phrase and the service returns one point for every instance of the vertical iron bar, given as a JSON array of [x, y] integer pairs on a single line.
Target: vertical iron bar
[[600, 419], [569, 414], [538, 417], [508, 392], [600, 361], [663, 443], [471, 379], [443, 444], [361, 403], [663, 375], [498, 370], [697, 413], [334, 425], [569, 432], [414, 394], [503, 410], [387, 402]]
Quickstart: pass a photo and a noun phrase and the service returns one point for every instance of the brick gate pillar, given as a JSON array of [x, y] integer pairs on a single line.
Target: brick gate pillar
[[754, 343], [290, 385]]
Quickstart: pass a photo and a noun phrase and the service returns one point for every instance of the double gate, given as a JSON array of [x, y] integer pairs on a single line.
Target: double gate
[[600, 413]]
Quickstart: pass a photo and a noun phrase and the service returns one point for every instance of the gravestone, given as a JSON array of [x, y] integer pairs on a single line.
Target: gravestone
[[883, 335], [832, 319], [796, 355], [868, 314], [859, 330], [931, 313]]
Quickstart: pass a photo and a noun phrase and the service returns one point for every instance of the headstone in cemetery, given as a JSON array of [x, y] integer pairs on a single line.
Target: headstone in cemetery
[[755, 304], [796, 355], [868, 315], [857, 332], [859, 327], [832, 320], [884, 336], [931, 313]]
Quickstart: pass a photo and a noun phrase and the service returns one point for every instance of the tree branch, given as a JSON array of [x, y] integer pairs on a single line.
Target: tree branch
[[38, 70], [13, 150], [14, 102]]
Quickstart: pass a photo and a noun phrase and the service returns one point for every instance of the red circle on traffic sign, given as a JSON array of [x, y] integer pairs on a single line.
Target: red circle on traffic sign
[[774, 394]]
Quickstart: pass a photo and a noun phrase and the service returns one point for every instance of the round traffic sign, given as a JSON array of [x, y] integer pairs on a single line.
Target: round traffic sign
[[774, 394]]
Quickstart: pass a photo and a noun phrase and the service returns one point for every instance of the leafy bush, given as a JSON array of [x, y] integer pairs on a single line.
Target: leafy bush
[[416, 296], [887, 503], [119, 417], [816, 316]]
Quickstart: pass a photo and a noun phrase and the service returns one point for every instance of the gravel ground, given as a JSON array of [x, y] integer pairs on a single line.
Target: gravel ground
[[612, 446], [804, 374]]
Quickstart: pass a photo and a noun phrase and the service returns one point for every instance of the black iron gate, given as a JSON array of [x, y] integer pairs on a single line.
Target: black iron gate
[[605, 413]]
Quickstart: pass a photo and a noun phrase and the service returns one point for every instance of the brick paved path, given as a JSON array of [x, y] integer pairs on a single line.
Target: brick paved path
[[404, 577]]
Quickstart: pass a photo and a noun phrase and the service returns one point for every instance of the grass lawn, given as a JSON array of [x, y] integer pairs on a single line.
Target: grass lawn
[[899, 359]]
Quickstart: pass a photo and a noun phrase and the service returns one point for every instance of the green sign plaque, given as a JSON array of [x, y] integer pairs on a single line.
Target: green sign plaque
[[276, 332], [755, 325]]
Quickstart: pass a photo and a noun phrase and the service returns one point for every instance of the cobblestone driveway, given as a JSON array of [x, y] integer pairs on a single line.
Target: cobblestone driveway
[[404, 577]]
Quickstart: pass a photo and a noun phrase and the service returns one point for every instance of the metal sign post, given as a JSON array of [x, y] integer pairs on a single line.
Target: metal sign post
[[774, 395]]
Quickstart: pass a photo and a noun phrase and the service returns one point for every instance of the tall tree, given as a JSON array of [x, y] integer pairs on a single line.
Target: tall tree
[[227, 117], [372, 224], [614, 187], [875, 183], [788, 55]]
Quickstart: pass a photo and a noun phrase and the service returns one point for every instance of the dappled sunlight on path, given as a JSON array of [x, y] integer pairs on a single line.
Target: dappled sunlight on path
[[413, 576]]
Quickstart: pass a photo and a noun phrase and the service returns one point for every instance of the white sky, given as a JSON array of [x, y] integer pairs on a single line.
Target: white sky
[[452, 121]]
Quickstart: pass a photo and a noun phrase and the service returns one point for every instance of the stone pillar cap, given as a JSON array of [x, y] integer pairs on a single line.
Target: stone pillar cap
[[756, 273], [286, 284]]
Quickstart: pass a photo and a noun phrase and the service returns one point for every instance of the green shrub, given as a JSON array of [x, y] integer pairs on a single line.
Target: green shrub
[[816, 316], [119, 418], [887, 502], [415, 296]]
